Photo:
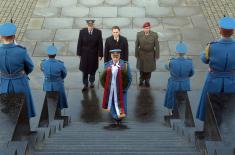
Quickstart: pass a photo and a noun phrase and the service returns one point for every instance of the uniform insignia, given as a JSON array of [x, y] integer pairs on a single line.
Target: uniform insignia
[[171, 58], [20, 46], [212, 42], [60, 61], [125, 61], [188, 57]]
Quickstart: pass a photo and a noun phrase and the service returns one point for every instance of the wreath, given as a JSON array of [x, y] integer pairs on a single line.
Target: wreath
[[124, 78]]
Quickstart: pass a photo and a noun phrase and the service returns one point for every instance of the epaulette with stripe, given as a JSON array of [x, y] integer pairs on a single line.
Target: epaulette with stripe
[[212, 42], [20, 46], [60, 61]]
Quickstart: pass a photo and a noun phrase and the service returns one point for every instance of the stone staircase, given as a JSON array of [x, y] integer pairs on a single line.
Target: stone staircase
[[91, 130], [131, 138]]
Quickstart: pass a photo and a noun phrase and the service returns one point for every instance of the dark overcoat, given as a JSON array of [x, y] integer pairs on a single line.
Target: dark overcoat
[[89, 47], [111, 44]]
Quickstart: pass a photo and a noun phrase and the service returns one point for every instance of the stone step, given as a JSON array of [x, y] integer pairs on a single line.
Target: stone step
[[174, 143], [123, 146], [118, 149], [116, 137], [111, 139], [123, 141], [129, 124], [118, 153], [117, 134], [128, 130]]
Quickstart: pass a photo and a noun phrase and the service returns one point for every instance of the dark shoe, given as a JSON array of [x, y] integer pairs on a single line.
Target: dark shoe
[[92, 85], [85, 88], [147, 84], [118, 123], [141, 83]]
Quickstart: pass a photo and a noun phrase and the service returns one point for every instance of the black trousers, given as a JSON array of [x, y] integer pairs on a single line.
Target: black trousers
[[145, 76], [86, 76]]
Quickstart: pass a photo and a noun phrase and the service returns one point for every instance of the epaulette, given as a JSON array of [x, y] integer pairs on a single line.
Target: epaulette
[[188, 57], [20, 46], [125, 61], [60, 61], [106, 63], [212, 42], [171, 58], [42, 61]]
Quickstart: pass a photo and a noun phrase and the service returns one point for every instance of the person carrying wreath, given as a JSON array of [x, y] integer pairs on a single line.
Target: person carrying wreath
[[116, 80]]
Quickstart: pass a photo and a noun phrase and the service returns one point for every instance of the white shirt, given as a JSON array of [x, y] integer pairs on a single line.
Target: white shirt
[[117, 39]]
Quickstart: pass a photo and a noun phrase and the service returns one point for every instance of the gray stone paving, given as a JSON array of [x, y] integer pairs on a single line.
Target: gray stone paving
[[61, 20], [18, 10], [214, 10]]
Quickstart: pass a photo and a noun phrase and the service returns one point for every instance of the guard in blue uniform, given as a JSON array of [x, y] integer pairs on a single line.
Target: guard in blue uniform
[[181, 69], [55, 73], [15, 66], [220, 55]]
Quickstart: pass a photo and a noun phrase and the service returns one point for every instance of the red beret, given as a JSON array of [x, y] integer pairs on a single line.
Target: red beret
[[146, 24]]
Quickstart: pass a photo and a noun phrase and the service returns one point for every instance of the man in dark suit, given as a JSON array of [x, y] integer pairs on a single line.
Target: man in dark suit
[[116, 41], [90, 51]]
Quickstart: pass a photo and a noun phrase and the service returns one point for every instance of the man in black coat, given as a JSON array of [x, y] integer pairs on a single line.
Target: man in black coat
[[116, 41], [90, 51]]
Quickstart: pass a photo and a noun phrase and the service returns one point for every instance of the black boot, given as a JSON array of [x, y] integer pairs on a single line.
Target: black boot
[[92, 85], [141, 83], [85, 88], [147, 83]]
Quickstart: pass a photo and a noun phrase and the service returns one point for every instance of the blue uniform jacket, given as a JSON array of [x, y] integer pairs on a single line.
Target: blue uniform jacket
[[122, 63], [15, 65], [181, 69], [220, 55], [55, 72]]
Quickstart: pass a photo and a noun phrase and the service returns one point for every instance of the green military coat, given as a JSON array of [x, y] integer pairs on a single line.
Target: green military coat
[[146, 51]]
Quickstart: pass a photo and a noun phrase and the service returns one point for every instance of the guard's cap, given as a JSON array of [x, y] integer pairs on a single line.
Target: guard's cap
[[51, 50], [181, 47], [115, 51], [90, 21], [227, 23], [7, 29], [146, 24]]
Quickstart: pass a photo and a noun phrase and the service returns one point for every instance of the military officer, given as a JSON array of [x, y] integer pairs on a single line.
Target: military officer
[[15, 66], [55, 73], [220, 56], [90, 51], [146, 52], [181, 69]]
